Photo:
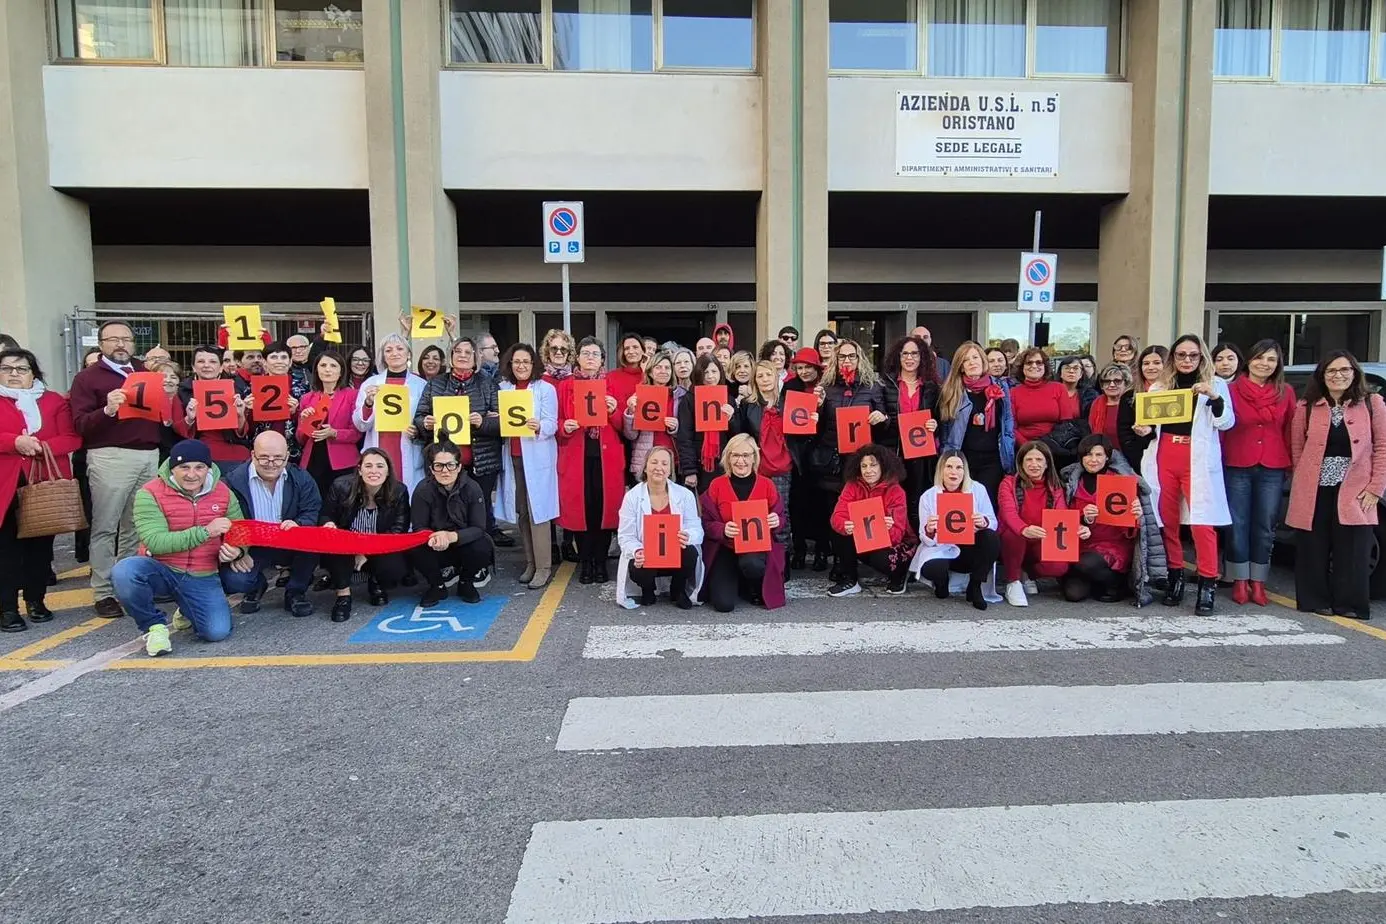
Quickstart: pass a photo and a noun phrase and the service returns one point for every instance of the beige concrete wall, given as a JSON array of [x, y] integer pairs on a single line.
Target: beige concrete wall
[[203, 127], [1289, 140], [45, 236], [600, 131], [1094, 135]]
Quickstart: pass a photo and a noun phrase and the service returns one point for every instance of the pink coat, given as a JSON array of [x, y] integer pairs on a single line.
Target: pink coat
[[1366, 471], [343, 449]]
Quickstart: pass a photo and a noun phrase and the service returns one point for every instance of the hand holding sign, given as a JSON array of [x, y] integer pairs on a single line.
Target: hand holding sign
[[391, 412], [216, 404], [752, 520], [1060, 542], [955, 523], [516, 410], [853, 428], [243, 327], [589, 403], [651, 402], [270, 394], [427, 323], [144, 397], [332, 331], [709, 408], [661, 541], [453, 415], [1116, 500], [916, 438], [799, 410], [869, 531]]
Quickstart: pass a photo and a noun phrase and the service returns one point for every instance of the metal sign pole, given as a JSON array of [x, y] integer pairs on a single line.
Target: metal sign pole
[[1035, 248], [567, 305]]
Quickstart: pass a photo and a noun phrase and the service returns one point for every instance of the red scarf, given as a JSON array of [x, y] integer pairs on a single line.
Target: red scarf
[[712, 448], [1261, 397], [1097, 414], [463, 376], [321, 540], [986, 386]]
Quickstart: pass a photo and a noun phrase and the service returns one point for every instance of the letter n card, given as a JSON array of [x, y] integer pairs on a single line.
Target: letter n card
[[753, 518]]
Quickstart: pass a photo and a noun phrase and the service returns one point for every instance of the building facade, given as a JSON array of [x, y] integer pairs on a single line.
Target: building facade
[[1206, 165]]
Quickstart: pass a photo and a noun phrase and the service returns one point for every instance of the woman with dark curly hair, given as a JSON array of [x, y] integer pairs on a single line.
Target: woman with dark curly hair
[[873, 471], [909, 383]]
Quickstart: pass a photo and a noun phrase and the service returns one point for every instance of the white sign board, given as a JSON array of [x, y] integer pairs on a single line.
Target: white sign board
[[966, 133], [563, 230], [1039, 272]]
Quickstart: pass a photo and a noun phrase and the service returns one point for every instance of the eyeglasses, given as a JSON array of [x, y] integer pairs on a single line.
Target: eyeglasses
[[271, 460], [15, 370], [590, 354], [445, 466], [743, 455], [1124, 349], [1034, 363], [788, 338], [558, 349], [904, 353], [117, 339], [302, 346], [1184, 354], [1338, 373], [841, 356], [360, 361], [1109, 382]]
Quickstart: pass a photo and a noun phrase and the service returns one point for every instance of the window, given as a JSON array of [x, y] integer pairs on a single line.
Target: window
[[496, 32], [328, 34], [1078, 37], [1242, 39], [708, 33], [977, 38], [112, 30], [214, 33], [603, 35], [873, 35], [1325, 41]]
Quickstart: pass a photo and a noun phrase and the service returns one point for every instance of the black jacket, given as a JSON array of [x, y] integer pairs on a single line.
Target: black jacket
[[689, 442], [463, 510], [336, 507], [748, 418], [486, 439], [889, 432]]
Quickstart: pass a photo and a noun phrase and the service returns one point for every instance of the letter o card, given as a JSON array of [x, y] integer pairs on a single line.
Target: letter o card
[[271, 396], [868, 525], [216, 404], [799, 408], [955, 526], [452, 419], [753, 517], [708, 411], [651, 401], [391, 409], [662, 540], [516, 407], [145, 398], [853, 429], [1060, 542], [589, 403], [916, 442], [1116, 500]]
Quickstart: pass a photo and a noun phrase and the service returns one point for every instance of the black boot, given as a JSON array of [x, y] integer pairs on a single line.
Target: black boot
[[585, 573], [11, 621], [820, 561], [1207, 590], [974, 595], [1174, 587], [937, 572]]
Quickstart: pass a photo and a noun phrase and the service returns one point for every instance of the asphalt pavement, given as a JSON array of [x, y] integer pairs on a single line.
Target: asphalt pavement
[[557, 759]]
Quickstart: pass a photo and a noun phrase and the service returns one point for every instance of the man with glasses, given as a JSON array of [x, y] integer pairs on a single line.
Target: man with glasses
[[299, 348], [122, 456], [271, 491], [488, 355]]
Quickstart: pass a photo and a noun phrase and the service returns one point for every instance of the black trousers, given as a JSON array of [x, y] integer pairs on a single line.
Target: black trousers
[[809, 509], [387, 570], [847, 558], [986, 470], [593, 542], [1090, 573], [24, 563], [734, 577], [467, 557], [1332, 569], [488, 489], [682, 575], [976, 560]]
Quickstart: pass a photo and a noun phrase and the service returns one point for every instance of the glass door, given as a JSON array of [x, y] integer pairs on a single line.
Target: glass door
[[1307, 337]]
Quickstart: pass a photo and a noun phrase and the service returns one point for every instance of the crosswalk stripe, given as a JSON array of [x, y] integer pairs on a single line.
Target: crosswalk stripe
[[610, 871], [742, 640], [860, 716]]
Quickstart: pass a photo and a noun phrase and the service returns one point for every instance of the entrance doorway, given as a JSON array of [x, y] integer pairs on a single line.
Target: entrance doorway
[[1306, 337], [681, 327]]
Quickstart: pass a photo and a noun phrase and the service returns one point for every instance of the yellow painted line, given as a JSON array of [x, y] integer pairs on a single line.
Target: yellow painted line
[[8, 665], [526, 647], [61, 600], [57, 638], [80, 571], [1357, 625]]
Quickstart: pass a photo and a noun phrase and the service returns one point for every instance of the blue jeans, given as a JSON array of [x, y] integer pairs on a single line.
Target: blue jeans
[[1253, 497], [300, 565], [139, 579]]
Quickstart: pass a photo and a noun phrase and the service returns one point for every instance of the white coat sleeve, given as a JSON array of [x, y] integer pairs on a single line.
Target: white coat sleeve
[[982, 504], [630, 525], [928, 506], [364, 424], [546, 408], [1228, 417]]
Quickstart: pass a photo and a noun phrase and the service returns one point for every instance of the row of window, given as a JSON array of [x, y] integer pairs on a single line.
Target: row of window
[[209, 33], [1301, 41]]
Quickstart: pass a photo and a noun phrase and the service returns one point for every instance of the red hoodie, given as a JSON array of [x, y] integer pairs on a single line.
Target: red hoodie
[[892, 497], [731, 337]]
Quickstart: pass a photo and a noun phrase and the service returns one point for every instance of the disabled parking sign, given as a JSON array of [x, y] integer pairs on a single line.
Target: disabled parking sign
[[450, 620], [1039, 274]]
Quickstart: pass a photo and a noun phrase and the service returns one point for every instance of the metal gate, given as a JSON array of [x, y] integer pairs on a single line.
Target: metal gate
[[182, 330]]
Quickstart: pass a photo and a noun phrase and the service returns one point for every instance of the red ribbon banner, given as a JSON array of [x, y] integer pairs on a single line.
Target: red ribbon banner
[[321, 540]]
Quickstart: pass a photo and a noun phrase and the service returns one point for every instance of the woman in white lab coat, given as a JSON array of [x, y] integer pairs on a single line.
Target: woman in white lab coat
[[527, 492], [936, 561], [656, 493], [392, 359]]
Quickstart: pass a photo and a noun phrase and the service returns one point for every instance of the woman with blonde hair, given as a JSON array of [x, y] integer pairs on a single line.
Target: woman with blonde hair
[[657, 492], [976, 417], [1183, 467], [659, 371], [936, 561], [557, 353], [731, 575], [740, 368]]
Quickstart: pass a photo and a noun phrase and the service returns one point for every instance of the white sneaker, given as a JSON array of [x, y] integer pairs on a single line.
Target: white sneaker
[[1030, 587], [1015, 594]]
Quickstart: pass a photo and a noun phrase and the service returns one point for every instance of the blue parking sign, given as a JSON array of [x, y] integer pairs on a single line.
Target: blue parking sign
[[553, 246]]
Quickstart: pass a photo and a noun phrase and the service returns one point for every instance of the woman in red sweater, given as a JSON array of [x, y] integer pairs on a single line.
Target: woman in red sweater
[[1039, 401], [873, 471], [731, 575], [1024, 497], [1256, 460], [591, 468], [1102, 416]]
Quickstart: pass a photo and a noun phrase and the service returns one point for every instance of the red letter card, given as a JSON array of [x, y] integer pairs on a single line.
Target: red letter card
[[955, 526], [589, 403], [868, 525], [271, 395], [753, 516], [662, 540], [1116, 500], [1060, 542], [853, 429], [708, 410], [651, 401], [216, 404], [799, 408], [144, 397], [916, 442]]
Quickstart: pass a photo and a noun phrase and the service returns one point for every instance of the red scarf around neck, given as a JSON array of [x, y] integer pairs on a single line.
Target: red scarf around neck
[[986, 386]]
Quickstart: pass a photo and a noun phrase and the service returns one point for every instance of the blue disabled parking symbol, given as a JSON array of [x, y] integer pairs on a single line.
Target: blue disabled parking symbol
[[450, 620]]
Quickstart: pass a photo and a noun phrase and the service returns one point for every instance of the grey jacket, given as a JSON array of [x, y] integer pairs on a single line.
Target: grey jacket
[[1149, 562]]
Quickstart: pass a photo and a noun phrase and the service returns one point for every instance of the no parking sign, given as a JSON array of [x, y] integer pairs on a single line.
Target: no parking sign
[[563, 233], [1039, 272]]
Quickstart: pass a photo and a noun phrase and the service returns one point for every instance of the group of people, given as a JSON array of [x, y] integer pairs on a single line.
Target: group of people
[[1014, 431]]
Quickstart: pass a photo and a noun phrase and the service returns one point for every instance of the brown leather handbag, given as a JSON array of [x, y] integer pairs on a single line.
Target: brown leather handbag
[[49, 505]]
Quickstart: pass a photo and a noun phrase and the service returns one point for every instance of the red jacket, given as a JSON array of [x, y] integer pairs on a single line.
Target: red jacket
[[57, 432], [1008, 510], [343, 449], [1038, 407], [1261, 433], [893, 497], [620, 384], [572, 466]]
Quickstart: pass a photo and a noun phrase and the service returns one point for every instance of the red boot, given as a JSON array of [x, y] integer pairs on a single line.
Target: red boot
[[1258, 593], [1239, 594]]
